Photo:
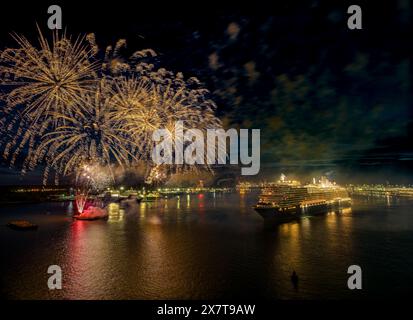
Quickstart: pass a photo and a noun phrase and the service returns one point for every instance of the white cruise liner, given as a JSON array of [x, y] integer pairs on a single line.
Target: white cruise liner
[[288, 200]]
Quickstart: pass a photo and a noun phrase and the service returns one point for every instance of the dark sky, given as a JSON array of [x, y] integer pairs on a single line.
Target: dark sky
[[326, 98]]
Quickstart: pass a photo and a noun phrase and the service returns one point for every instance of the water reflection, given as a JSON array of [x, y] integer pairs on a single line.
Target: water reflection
[[85, 259], [208, 246], [70, 209], [115, 212]]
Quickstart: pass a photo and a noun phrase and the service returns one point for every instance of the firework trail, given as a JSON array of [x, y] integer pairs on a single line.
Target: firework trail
[[113, 62]]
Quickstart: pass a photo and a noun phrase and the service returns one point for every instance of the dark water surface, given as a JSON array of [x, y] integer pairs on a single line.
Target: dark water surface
[[206, 246]]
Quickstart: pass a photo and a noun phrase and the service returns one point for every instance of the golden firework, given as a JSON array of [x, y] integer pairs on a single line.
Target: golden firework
[[66, 109], [91, 134]]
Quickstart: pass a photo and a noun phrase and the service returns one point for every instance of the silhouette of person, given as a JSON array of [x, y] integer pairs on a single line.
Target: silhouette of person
[[294, 279]]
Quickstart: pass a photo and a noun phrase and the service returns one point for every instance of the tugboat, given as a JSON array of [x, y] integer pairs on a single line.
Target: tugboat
[[92, 213]]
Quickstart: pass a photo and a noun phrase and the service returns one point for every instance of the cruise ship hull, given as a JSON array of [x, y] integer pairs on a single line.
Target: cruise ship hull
[[274, 215]]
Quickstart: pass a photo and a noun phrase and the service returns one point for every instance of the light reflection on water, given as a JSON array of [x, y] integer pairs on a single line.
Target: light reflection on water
[[207, 246]]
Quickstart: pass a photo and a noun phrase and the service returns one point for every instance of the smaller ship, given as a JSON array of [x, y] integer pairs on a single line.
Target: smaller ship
[[288, 200], [92, 213], [130, 200], [151, 196], [22, 225]]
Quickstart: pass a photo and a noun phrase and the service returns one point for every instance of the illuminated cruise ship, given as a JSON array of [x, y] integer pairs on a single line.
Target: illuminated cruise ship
[[288, 200]]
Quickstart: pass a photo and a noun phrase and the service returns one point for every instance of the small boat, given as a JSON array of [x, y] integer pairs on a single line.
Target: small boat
[[22, 225], [131, 199], [92, 213], [153, 196]]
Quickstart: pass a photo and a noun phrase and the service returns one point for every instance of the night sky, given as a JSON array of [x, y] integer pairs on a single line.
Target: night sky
[[327, 99]]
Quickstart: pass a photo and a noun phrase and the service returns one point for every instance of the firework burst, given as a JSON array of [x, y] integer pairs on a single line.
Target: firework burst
[[144, 107], [95, 176], [91, 134], [69, 106], [47, 79], [40, 82]]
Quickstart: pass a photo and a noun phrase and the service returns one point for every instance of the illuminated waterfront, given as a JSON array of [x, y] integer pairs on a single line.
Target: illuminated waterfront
[[380, 190], [207, 246]]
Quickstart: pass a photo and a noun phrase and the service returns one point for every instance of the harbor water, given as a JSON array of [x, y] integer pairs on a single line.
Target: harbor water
[[205, 246]]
